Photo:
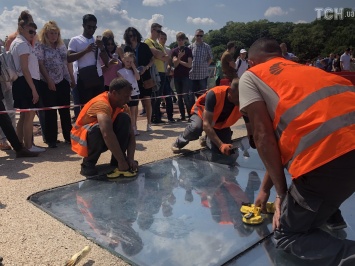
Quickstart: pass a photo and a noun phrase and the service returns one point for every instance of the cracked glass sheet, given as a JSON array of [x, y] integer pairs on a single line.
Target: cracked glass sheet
[[179, 211]]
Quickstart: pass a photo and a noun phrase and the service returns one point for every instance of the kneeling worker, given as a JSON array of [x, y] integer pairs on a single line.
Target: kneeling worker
[[214, 112], [103, 125]]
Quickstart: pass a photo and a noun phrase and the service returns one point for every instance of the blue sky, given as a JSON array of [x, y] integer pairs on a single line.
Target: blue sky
[[174, 15]]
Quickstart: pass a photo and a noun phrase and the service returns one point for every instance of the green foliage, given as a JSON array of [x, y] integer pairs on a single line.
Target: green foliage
[[306, 40]]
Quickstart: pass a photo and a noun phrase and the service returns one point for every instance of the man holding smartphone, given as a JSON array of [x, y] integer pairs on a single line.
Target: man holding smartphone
[[182, 60], [85, 50]]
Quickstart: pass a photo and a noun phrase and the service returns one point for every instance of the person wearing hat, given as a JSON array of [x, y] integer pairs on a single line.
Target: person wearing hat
[[241, 64]]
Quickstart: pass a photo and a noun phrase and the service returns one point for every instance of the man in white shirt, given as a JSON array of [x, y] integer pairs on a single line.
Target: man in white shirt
[[241, 64], [86, 50], [345, 60]]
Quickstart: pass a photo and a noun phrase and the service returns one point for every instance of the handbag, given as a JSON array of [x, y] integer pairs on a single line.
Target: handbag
[[149, 83], [89, 76], [7, 67]]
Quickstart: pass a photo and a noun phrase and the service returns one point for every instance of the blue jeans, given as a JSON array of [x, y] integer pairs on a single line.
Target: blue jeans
[[199, 86], [185, 95]]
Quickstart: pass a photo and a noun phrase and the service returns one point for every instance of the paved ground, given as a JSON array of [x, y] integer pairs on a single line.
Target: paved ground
[[28, 236]]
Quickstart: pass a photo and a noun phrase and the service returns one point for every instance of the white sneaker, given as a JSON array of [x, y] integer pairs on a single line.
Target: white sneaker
[[149, 127], [36, 149]]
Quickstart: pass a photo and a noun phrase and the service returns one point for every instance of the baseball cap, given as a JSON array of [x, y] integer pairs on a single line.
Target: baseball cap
[[243, 51]]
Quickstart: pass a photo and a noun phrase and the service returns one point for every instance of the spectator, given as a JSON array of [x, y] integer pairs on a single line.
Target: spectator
[[201, 59], [228, 63], [131, 74], [328, 63], [182, 60], [287, 135], [8, 102], [115, 55], [25, 88], [336, 63], [145, 59], [218, 72], [287, 55], [345, 60], [85, 50], [160, 57], [57, 74], [102, 124], [241, 64], [9, 132]]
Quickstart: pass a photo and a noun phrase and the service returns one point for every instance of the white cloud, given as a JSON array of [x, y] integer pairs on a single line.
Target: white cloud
[[200, 21], [275, 11], [154, 2], [300, 21]]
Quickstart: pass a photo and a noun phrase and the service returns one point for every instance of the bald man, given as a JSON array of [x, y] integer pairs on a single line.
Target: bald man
[[303, 119]]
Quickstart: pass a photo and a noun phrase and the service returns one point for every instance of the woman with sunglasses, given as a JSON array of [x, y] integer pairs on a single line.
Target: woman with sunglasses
[[56, 79], [25, 88], [115, 54], [144, 60]]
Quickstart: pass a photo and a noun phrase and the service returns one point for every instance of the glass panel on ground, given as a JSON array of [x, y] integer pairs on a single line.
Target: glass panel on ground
[[183, 210]]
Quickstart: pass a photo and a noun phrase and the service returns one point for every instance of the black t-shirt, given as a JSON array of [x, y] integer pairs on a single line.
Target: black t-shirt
[[211, 103], [143, 55]]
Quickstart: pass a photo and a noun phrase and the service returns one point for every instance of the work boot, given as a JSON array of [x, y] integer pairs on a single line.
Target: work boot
[[88, 170]]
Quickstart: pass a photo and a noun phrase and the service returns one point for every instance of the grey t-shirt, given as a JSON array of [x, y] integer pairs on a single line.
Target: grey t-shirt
[[253, 89]]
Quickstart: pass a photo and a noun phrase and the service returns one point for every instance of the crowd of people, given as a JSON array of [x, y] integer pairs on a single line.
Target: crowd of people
[[298, 117]]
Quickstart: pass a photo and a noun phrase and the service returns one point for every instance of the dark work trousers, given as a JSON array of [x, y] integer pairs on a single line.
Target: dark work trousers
[[310, 201], [168, 100], [59, 97], [185, 96], [8, 129], [194, 130], [96, 143], [86, 94]]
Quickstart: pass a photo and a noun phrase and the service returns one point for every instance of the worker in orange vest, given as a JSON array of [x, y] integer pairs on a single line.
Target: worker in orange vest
[[103, 125], [214, 112], [303, 119]]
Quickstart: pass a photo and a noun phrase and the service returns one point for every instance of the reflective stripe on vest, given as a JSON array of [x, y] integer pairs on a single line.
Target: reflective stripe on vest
[[314, 120], [311, 99]]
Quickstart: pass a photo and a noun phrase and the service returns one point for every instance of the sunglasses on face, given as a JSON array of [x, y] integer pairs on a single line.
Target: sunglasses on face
[[89, 27], [110, 44], [32, 32], [158, 31], [200, 36]]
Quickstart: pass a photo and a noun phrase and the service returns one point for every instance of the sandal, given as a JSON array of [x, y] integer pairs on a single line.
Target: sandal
[[117, 173]]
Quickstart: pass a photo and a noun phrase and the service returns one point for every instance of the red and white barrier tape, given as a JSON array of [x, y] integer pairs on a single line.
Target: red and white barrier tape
[[78, 105]]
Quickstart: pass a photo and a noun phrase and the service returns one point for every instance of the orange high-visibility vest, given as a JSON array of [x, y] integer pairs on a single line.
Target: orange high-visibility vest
[[79, 131], [220, 93], [314, 120]]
